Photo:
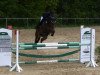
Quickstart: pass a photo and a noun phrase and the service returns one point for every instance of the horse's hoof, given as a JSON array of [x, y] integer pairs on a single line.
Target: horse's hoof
[[52, 34]]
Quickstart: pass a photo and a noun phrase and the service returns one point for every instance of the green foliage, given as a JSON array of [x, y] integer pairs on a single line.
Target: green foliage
[[78, 8], [62, 9]]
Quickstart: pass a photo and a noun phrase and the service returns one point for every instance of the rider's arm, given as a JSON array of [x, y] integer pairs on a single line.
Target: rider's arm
[[41, 18]]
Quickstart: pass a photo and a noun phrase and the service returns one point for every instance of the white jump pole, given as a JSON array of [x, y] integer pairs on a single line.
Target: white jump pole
[[92, 62], [16, 66]]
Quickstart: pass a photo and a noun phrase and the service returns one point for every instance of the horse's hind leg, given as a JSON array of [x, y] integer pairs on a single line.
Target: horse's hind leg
[[43, 38]]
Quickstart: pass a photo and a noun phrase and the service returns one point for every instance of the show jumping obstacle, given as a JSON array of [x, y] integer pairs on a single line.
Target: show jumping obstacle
[[86, 46]]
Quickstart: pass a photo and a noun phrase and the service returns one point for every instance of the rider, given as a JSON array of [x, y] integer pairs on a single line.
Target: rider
[[45, 15]]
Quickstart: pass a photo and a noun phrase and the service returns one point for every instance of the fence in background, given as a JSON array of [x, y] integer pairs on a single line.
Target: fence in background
[[32, 22]]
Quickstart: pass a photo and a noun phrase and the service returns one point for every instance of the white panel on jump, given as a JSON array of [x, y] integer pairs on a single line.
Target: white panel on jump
[[5, 59], [85, 53], [6, 30], [5, 47]]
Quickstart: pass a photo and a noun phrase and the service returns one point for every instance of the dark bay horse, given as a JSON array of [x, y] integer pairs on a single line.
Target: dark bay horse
[[47, 28]]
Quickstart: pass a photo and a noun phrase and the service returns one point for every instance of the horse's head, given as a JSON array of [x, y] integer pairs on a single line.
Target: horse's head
[[51, 19]]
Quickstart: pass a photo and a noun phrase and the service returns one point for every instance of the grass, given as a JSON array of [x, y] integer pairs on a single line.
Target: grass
[[98, 53]]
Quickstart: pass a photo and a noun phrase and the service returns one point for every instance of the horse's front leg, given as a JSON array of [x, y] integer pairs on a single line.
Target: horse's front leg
[[52, 33], [43, 38], [37, 39]]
